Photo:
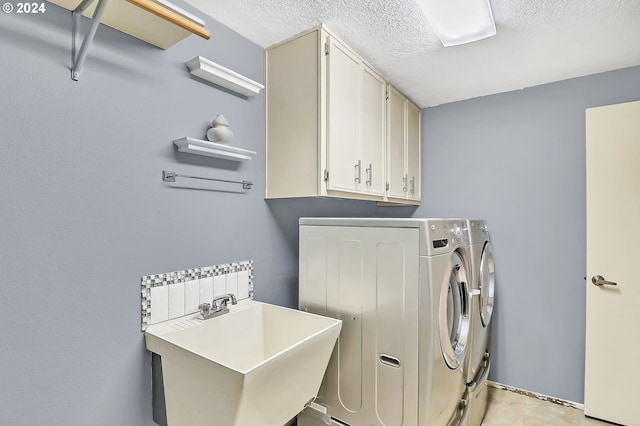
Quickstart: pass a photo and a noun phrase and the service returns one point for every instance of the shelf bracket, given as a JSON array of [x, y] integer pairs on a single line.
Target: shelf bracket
[[80, 56]]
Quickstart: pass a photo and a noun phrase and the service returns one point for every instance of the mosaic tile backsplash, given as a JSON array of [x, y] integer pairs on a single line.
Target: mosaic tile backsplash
[[176, 294]]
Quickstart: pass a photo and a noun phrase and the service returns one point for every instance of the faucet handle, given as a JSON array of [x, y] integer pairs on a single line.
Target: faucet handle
[[205, 308], [219, 303]]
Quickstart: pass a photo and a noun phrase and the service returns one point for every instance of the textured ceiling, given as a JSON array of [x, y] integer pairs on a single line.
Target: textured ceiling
[[538, 41]]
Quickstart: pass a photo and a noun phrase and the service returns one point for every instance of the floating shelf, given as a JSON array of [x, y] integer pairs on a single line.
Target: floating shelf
[[217, 74], [157, 22], [212, 149]]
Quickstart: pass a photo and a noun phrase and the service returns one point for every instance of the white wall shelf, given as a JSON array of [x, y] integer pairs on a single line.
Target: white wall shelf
[[212, 149], [217, 74]]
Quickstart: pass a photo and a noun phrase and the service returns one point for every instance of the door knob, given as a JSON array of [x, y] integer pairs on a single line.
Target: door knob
[[599, 280]]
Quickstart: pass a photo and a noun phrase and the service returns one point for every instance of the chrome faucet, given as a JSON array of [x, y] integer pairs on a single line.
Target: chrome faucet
[[217, 307]]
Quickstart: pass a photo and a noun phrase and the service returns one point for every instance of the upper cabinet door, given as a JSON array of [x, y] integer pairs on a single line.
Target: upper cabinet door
[[293, 107], [413, 151], [346, 170], [396, 175], [372, 131], [403, 148]]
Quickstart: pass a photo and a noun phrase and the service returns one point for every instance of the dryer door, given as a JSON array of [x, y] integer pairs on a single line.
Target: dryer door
[[486, 284], [454, 312]]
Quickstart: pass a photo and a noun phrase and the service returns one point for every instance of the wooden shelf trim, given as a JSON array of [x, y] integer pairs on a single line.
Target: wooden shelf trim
[[171, 16]]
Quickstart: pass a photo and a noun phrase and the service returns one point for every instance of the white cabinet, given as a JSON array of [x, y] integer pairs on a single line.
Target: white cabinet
[[403, 149], [326, 121]]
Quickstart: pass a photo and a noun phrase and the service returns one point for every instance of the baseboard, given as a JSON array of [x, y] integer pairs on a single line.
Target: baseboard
[[540, 396]]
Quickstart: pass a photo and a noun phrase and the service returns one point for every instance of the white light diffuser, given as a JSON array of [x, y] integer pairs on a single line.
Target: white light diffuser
[[459, 21]]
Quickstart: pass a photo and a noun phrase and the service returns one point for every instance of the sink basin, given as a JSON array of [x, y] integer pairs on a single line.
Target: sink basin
[[257, 365]]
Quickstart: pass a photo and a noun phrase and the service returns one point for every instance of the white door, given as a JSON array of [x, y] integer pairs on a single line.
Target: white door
[[396, 175], [344, 77], [372, 131], [612, 359], [413, 150]]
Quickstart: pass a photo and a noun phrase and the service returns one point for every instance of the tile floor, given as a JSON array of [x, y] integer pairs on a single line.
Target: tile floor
[[507, 408]]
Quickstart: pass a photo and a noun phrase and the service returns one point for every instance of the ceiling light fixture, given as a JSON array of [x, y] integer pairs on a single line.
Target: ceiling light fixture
[[459, 21]]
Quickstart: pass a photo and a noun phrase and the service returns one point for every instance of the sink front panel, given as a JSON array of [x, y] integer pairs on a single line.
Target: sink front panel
[[257, 365]]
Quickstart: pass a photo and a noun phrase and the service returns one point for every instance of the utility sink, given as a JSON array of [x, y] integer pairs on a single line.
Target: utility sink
[[257, 365]]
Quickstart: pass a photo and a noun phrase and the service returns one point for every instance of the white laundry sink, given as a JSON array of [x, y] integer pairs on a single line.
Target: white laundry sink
[[257, 365]]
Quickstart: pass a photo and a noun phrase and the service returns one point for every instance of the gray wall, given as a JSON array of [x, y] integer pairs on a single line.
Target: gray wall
[[518, 160], [85, 213]]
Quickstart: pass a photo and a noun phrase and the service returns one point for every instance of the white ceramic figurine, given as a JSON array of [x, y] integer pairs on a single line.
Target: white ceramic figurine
[[220, 131]]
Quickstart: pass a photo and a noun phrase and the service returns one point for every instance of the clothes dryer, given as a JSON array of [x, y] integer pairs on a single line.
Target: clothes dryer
[[401, 287], [478, 361]]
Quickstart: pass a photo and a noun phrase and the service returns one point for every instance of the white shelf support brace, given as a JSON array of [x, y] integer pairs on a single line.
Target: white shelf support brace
[[79, 58]]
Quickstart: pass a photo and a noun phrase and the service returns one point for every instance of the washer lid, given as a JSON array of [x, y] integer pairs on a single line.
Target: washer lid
[[487, 284], [454, 312]]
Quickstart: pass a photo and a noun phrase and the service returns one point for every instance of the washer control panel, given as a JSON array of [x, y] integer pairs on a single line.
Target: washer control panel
[[444, 235], [456, 232], [459, 232]]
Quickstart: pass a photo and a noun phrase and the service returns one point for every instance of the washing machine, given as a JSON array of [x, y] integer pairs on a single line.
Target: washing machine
[[401, 288], [478, 360]]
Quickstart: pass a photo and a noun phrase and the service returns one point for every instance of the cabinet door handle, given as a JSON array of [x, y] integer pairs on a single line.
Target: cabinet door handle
[[404, 180], [369, 174], [358, 171], [413, 184]]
